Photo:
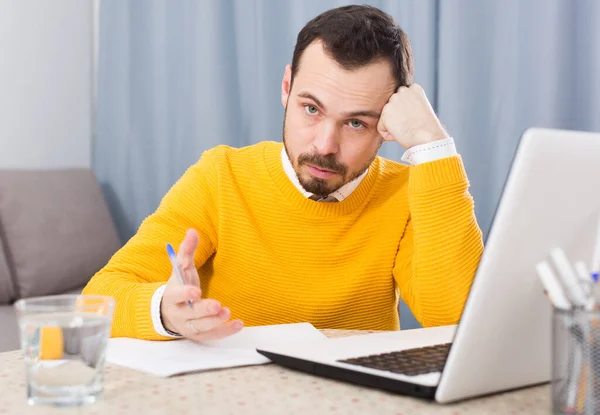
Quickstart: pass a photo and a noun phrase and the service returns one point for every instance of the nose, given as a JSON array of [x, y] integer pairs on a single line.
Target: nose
[[326, 141]]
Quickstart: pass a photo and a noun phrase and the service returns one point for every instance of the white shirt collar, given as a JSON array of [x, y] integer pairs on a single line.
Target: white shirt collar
[[340, 194]]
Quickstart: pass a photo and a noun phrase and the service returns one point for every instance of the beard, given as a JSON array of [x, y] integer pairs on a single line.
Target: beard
[[318, 186]]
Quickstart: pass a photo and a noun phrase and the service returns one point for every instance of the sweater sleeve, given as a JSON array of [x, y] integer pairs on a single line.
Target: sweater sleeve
[[442, 244], [142, 265]]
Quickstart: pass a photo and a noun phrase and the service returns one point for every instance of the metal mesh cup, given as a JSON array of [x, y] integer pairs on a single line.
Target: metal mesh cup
[[576, 361]]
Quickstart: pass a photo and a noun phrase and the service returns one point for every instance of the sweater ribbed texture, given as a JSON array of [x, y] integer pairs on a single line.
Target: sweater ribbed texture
[[273, 256]]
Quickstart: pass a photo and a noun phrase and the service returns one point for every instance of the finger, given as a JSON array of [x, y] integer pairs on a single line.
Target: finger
[[202, 308], [382, 129], [386, 135], [219, 332], [185, 256], [417, 87], [177, 294], [208, 323], [190, 242], [402, 87]]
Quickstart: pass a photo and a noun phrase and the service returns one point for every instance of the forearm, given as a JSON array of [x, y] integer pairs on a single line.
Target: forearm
[[446, 242], [133, 297], [137, 270]]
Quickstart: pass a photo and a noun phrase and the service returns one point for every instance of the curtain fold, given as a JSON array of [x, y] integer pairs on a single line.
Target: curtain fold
[[176, 78]]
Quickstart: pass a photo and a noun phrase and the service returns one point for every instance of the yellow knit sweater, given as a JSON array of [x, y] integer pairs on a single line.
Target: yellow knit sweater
[[273, 256]]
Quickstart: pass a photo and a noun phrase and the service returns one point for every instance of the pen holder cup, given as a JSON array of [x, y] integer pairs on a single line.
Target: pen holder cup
[[576, 361]]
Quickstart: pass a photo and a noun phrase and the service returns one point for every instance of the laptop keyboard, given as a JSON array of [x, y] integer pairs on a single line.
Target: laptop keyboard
[[411, 362]]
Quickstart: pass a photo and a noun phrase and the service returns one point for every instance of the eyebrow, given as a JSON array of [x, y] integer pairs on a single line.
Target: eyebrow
[[365, 113]]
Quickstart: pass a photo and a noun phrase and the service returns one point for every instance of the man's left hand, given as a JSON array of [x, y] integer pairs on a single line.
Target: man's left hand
[[409, 119]]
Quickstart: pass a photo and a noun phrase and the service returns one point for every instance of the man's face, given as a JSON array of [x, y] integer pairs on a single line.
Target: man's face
[[331, 114]]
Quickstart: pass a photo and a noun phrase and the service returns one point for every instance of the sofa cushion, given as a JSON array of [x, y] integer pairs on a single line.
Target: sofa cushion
[[7, 292], [56, 229], [10, 329]]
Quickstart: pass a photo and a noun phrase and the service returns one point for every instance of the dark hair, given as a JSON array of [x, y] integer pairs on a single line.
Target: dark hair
[[356, 36]]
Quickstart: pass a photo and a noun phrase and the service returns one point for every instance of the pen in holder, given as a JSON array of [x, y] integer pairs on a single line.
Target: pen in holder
[[576, 361]]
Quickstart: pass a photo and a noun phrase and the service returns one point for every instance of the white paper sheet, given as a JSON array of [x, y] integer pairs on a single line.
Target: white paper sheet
[[168, 358]]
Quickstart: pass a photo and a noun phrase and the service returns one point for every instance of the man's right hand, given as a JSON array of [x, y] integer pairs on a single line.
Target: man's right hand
[[206, 320]]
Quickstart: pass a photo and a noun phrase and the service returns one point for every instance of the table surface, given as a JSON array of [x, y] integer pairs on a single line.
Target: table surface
[[261, 389]]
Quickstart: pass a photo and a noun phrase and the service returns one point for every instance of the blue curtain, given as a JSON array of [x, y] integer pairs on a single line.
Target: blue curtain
[[178, 77], [507, 65]]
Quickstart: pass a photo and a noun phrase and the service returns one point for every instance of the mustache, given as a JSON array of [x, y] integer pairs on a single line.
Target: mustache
[[327, 162]]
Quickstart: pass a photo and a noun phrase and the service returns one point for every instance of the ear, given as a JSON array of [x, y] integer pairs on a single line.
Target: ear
[[286, 85]]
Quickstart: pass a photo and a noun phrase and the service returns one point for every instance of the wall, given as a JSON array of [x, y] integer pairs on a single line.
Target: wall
[[46, 54]]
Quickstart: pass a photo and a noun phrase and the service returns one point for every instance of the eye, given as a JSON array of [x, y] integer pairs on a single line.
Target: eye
[[356, 124], [311, 109]]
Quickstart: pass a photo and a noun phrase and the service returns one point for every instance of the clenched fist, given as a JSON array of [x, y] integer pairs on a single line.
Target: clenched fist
[[409, 119]]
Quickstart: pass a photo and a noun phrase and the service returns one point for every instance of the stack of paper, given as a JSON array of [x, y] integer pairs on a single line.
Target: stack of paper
[[168, 358]]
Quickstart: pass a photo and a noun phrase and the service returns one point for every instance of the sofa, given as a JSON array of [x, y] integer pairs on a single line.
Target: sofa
[[56, 232]]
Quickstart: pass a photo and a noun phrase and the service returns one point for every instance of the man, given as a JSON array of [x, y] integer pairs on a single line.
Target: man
[[319, 229]]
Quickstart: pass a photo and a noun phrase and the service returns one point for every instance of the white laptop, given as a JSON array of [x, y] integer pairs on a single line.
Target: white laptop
[[551, 198]]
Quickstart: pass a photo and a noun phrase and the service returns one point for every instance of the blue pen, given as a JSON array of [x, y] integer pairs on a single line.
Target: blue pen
[[176, 270]]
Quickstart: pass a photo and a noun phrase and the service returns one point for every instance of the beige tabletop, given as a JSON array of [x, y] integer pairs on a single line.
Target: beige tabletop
[[265, 389]]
